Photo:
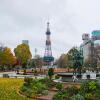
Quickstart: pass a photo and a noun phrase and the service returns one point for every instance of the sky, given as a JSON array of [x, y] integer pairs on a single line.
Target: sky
[[26, 20]]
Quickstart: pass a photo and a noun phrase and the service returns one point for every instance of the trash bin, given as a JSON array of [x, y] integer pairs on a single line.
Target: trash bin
[[5, 76]]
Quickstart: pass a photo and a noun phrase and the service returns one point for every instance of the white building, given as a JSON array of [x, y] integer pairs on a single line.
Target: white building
[[85, 47]]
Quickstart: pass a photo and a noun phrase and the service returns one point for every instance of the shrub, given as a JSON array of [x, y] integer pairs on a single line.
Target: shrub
[[59, 86], [72, 90], [60, 96], [50, 72], [50, 84], [28, 80], [89, 90], [40, 87], [98, 92], [88, 96], [77, 97], [84, 87], [97, 95], [88, 87], [29, 92], [92, 85], [33, 87], [24, 88], [45, 80]]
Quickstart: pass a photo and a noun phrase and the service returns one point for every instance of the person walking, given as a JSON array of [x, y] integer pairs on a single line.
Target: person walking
[[74, 77]]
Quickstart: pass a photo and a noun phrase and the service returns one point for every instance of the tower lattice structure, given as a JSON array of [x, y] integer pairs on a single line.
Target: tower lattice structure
[[48, 58]]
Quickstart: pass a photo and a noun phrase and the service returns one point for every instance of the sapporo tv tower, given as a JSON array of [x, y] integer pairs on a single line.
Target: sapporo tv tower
[[48, 58]]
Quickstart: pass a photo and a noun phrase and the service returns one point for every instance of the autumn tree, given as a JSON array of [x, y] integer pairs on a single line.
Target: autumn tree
[[66, 60], [23, 54], [1, 56], [73, 59], [7, 58], [62, 61], [38, 61]]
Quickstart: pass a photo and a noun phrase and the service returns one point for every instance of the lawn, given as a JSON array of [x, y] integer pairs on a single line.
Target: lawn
[[9, 88]]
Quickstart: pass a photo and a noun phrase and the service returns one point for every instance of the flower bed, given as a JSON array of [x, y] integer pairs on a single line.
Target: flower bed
[[89, 90], [34, 88], [9, 88]]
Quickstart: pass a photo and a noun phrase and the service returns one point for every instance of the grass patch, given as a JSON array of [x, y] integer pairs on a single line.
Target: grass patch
[[9, 88]]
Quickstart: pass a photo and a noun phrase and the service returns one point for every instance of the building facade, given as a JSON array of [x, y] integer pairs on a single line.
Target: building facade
[[25, 42], [89, 45]]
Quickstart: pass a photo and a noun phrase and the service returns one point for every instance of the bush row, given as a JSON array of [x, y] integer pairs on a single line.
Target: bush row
[[89, 90]]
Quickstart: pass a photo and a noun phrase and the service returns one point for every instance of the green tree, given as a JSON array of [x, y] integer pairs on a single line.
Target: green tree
[[70, 56], [23, 54], [78, 62], [75, 59], [66, 60], [50, 73]]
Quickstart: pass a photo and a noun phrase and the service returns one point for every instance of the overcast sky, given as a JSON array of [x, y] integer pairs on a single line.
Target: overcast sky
[[26, 19]]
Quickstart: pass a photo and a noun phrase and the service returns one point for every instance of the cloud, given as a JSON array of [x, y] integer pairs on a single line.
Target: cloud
[[26, 19]]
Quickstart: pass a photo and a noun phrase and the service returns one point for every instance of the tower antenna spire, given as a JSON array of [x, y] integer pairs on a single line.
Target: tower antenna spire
[[48, 58], [48, 26]]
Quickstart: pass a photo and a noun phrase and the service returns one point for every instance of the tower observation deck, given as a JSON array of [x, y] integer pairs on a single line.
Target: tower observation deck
[[48, 58]]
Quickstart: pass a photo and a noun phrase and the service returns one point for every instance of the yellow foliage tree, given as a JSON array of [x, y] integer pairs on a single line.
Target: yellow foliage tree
[[7, 58], [23, 54]]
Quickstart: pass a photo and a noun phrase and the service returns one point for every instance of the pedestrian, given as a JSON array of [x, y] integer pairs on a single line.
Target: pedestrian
[[74, 77]]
